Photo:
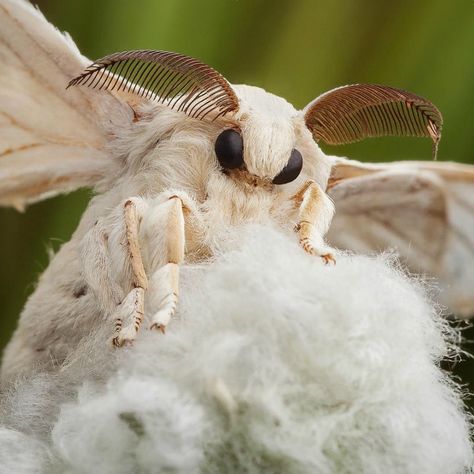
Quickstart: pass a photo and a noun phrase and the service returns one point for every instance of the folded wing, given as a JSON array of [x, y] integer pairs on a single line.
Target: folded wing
[[52, 140], [423, 210]]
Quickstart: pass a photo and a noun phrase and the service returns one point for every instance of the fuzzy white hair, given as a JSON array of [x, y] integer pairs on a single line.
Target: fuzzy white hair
[[275, 364]]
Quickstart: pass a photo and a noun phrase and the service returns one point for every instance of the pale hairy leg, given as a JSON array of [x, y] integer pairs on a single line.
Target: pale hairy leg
[[160, 226], [164, 283], [131, 310], [314, 217]]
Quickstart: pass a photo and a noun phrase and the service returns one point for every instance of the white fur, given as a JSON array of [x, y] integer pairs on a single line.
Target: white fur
[[21, 454], [276, 363]]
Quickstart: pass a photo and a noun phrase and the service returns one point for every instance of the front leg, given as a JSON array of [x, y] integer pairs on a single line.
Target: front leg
[[132, 308], [164, 283], [315, 211], [155, 240]]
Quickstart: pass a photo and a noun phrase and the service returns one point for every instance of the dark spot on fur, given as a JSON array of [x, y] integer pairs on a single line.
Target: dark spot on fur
[[80, 291], [133, 423]]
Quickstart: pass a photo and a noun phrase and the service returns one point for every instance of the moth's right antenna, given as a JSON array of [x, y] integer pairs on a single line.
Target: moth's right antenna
[[351, 113]]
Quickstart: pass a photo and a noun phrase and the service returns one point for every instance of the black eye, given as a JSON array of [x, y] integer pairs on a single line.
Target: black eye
[[230, 149], [292, 169]]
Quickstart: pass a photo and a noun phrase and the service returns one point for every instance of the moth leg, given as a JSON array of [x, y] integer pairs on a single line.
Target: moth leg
[[132, 308], [164, 283], [314, 217]]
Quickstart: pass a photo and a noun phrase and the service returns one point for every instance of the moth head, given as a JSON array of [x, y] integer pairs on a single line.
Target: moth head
[[252, 131], [278, 143], [259, 138], [263, 136]]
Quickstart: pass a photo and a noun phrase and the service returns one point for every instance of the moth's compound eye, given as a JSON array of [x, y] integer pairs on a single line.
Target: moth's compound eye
[[230, 149], [292, 169]]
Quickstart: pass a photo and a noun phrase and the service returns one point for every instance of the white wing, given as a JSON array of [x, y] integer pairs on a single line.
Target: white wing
[[51, 139], [423, 210]]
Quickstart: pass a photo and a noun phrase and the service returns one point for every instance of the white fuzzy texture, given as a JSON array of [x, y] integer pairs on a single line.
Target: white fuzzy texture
[[275, 363]]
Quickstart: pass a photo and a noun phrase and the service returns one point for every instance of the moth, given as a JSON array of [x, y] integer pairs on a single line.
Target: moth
[[177, 157]]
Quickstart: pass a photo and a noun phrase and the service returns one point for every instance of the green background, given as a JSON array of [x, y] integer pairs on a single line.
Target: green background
[[296, 49]]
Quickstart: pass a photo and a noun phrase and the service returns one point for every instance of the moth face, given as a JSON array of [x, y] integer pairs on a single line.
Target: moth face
[[260, 145]]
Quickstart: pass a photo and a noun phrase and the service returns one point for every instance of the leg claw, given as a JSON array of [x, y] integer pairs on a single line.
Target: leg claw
[[328, 258], [118, 341], [167, 309], [125, 337], [158, 327]]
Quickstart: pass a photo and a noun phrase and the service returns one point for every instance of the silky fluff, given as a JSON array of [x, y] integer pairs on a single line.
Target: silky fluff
[[275, 363]]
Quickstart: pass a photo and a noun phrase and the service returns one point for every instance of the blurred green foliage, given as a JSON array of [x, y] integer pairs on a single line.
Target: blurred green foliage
[[293, 48]]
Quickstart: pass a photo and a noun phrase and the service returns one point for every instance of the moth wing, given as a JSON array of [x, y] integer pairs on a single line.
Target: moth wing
[[423, 210], [52, 140]]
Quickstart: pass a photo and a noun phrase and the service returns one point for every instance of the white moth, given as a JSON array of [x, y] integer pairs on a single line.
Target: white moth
[[178, 157]]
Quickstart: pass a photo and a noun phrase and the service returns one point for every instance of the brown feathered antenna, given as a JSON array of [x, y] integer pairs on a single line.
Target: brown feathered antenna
[[351, 113], [177, 81]]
